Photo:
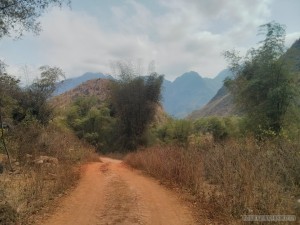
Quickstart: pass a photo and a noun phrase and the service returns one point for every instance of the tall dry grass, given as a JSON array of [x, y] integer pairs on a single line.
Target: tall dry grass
[[172, 164], [32, 185], [231, 179]]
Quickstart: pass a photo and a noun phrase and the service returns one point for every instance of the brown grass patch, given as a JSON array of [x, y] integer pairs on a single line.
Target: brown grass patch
[[32, 186], [231, 179]]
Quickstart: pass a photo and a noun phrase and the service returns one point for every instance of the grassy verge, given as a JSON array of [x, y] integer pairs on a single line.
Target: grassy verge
[[36, 181], [230, 179]]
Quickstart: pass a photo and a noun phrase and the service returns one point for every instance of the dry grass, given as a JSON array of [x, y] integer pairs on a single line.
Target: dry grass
[[231, 179], [170, 164], [32, 185]]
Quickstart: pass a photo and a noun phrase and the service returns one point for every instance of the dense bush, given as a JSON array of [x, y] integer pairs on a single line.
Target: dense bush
[[181, 131], [92, 122], [174, 131], [213, 125]]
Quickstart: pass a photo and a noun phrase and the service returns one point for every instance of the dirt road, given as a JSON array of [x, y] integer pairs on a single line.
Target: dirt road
[[111, 193]]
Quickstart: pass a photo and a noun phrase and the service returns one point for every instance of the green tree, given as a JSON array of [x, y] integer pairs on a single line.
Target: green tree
[[90, 118], [263, 85], [17, 16], [32, 102], [216, 126], [134, 99], [8, 88]]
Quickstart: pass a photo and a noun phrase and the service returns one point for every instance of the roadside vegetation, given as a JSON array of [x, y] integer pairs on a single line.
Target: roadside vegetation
[[232, 166], [228, 177], [38, 156], [235, 166]]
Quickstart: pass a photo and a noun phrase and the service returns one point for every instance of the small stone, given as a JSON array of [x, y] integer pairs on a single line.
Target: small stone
[[28, 156], [39, 161]]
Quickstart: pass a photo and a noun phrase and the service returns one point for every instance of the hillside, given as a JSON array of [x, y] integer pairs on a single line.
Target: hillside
[[220, 105], [71, 83], [293, 55], [97, 87], [189, 92]]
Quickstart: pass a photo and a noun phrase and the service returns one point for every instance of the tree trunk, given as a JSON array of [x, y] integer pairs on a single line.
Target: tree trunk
[[3, 140]]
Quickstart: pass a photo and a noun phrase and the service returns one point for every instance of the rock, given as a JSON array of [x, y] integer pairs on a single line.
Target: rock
[[38, 161], [28, 156], [17, 163], [47, 160]]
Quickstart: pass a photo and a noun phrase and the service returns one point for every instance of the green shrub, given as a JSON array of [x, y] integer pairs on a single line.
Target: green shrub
[[177, 131], [213, 125], [91, 121]]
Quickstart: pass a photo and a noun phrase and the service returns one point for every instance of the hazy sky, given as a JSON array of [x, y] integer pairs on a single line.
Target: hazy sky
[[179, 35]]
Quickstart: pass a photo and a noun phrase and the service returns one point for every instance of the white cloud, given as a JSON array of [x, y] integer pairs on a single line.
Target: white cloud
[[182, 36]]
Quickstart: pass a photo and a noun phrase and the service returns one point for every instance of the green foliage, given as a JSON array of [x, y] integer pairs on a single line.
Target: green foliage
[[8, 90], [264, 86], [91, 121], [32, 101], [175, 131], [17, 16], [134, 99], [183, 132], [213, 125]]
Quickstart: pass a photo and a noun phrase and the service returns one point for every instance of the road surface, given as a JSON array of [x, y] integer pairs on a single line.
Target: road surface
[[111, 193]]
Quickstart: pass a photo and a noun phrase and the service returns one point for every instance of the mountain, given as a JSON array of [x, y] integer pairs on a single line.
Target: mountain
[[220, 105], [189, 92], [182, 96], [71, 83], [96, 87], [292, 55]]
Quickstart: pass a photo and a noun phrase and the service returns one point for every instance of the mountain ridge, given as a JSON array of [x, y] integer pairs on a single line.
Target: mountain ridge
[[73, 82], [189, 92], [180, 97]]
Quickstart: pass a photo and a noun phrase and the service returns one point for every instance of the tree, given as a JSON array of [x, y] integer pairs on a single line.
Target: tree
[[263, 86], [8, 87], [90, 118], [32, 102], [134, 99], [17, 16]]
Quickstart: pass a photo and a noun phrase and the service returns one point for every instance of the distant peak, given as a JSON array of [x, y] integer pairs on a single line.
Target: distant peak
[[191, 74]]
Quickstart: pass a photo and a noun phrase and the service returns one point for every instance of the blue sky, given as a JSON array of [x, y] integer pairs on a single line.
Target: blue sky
[[179, 35]]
